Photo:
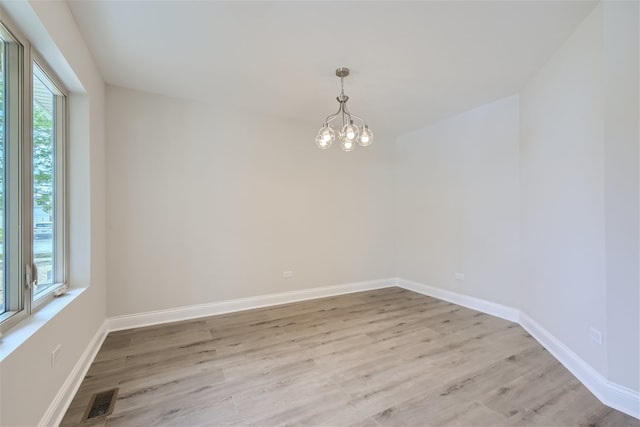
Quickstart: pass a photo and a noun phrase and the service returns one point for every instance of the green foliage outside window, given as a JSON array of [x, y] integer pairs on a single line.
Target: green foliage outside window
[[43, 158]]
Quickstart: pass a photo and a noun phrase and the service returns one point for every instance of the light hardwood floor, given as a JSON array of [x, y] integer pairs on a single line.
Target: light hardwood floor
[[384, 357]]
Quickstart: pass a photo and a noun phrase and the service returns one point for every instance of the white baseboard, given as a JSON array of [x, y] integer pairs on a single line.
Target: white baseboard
[[611, 394], [54, 414], [492, 308], [203, 310]]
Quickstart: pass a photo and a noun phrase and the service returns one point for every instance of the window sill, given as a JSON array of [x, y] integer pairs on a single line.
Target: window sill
[[19, 334]]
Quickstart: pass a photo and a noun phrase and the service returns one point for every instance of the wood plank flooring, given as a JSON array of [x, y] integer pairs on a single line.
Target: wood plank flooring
[[387, 357]]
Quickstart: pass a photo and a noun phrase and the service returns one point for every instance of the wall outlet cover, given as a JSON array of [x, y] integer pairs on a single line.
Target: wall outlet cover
[[596, 335]]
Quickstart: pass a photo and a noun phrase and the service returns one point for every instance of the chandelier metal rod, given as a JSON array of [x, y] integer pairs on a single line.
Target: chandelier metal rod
[[353, 116], [333, 116], [342, 111]]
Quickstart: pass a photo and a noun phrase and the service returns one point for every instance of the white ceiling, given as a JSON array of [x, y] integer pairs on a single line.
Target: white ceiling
[[412, 62]]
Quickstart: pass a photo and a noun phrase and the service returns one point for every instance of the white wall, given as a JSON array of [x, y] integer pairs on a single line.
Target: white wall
[[579, 146], [457, 203], [621, 139], [562, 176], [28, 382], [206, 205]]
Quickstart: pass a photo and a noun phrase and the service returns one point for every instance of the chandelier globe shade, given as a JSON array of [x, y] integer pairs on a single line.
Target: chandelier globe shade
[[366, 137], [326, 136]]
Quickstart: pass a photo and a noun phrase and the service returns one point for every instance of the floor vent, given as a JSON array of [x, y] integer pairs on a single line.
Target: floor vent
[[101, 404]]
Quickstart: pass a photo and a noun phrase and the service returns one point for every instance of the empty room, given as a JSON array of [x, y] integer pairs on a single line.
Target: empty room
[[319, 213]]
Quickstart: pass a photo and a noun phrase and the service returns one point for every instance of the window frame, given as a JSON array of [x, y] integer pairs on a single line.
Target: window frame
[[60, 235], [17, 126]]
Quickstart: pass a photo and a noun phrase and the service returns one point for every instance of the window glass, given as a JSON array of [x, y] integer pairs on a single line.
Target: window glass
[[44, 200]]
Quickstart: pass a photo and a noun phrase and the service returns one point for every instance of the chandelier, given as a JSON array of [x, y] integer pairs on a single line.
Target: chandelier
[[349, 133]]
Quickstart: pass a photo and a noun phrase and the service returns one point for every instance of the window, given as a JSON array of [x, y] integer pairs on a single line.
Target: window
[[32, 180], [47, 170], [11, 130]]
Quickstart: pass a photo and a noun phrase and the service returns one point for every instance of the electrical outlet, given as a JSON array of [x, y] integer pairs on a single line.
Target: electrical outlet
[[287, 274], [458, 276], [54, 354], [596, 335]]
